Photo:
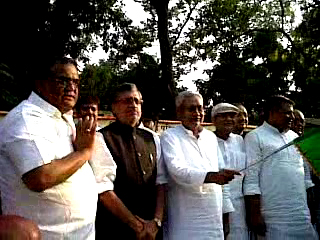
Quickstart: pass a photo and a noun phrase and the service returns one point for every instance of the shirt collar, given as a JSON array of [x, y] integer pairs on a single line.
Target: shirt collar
[[271, 128], [190, 133], [35, 99]]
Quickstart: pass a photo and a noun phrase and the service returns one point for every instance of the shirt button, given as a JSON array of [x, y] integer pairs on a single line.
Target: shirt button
[[134, 137], [144, 172], [139, 154]]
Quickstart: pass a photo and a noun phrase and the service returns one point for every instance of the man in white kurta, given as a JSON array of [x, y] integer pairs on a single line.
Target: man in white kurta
[[192, 158], [277, 184], [45, 176], [232, 149]]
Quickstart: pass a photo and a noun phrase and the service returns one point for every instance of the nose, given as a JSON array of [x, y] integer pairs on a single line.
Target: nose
[[70, 86]]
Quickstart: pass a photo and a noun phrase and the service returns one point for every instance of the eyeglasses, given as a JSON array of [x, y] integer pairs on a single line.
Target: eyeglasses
[[128, 101], [195, 109], [64, 81]]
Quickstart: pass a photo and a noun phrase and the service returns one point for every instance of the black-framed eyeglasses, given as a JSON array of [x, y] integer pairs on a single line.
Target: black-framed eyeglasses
[[64, 81], [128, 101]]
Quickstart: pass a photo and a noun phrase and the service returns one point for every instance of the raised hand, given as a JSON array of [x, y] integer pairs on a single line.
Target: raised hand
[[86, 130]]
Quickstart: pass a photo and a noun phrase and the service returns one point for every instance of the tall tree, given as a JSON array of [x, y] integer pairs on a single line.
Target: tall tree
[[33, 31], [306, 67], [232, 34], [168, 23]]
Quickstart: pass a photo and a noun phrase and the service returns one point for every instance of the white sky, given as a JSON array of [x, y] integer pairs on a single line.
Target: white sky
[[136, 13]]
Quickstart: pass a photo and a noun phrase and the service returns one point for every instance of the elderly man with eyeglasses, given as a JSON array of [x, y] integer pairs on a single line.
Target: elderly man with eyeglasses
[[45, 175], [196, 202], [136, 196]]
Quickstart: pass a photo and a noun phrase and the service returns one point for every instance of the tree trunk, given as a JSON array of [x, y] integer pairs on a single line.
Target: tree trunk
[[161, 7]]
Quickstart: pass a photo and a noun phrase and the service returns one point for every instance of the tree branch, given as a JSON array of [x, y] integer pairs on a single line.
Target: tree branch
[[184, 24], [282, 13]]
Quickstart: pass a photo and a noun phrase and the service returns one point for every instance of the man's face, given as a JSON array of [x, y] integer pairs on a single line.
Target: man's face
[[298, 123], [61, 89], [225, 122], [192, 112], [90, 109], [127, 108], [282, 119], [241, 120]]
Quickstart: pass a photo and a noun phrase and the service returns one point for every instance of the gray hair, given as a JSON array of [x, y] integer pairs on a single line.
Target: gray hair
[[186, 94]]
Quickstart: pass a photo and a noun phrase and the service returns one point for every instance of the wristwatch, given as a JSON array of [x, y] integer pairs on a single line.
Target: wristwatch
[[158, 222]]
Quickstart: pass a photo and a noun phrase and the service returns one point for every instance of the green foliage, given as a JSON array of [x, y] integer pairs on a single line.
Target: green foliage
[[306, 66], [100, 80], [34, 31]]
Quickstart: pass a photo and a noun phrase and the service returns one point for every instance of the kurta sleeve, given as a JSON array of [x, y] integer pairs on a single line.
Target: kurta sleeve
[[28, 145], [162, 175], [307, 174], [103, 165], [251, 184], [177, 167], [25, 154], [226, 196]]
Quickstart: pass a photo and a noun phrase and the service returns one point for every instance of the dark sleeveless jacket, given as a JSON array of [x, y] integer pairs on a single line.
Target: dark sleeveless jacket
[[134, 152]]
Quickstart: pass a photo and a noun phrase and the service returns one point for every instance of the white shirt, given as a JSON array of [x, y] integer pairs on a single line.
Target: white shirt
[[194, 208], [279, 180], [233, 152], [33, 134]]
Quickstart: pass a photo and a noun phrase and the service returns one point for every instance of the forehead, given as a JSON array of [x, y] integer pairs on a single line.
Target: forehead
[[89, 105], [298, 114], [127, 94], [192, 101], [286, 107], [243, 110], [68, 70], [227, 114]]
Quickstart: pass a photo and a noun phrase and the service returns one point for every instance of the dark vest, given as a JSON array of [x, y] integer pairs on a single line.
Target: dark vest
[[134, 152]]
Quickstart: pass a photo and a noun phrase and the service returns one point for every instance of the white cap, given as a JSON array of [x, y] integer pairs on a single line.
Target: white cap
[[223, 108]]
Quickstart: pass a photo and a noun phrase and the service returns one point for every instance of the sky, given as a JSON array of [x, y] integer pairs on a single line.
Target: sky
[[136, 13]]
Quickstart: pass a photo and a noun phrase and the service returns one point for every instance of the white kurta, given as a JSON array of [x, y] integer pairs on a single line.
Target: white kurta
[[280, 181], [33, 134], [194, 208], [233, 152]]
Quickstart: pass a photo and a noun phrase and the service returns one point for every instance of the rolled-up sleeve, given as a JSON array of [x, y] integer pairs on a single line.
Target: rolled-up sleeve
[[103, 165], [251, 184], [176, 165]]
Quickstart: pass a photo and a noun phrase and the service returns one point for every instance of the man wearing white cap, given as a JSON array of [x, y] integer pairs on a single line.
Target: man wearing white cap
[[192, 158], [232, 148]]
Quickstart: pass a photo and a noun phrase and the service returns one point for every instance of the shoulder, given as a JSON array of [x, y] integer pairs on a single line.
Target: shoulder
[[24, 119], [207, 133], [257, 131], [107, 129], [236, 137], [178, 130], [291, 135]]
